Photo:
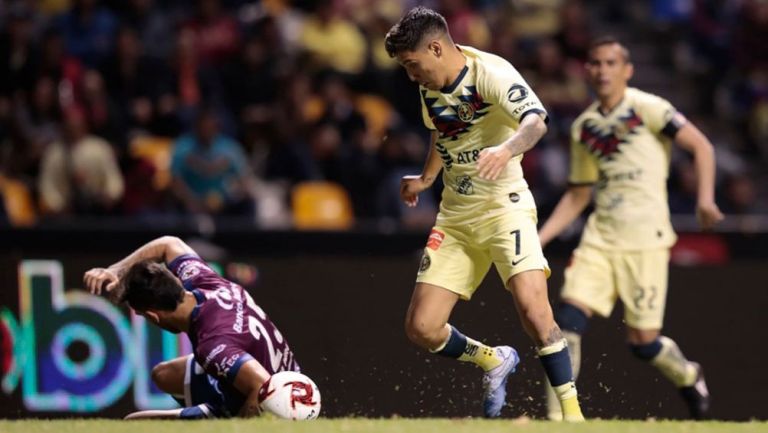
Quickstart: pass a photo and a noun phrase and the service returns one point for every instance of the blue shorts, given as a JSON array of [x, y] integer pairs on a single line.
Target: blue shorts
[[201, 388]]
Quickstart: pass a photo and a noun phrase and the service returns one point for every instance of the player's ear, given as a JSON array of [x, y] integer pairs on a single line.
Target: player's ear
[[435, 47], [152, 316], [629, 71]]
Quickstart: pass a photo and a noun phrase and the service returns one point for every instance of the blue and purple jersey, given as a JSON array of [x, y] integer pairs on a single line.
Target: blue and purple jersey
[[227, 328]]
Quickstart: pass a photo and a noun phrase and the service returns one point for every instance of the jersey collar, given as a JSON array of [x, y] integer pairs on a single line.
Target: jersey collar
[[614, 109], [200, 298], [451, 87]]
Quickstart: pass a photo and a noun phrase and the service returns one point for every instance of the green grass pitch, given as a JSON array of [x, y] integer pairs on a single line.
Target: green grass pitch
[[361, 425]]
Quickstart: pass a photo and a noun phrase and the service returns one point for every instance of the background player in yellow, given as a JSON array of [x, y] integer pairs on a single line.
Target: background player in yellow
[[620, 146], [484, 117]]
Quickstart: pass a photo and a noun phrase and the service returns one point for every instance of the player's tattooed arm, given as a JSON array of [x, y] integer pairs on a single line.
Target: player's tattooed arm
[[412, 185], [532, 128], [165, 248], [434, 163], [494, 159]]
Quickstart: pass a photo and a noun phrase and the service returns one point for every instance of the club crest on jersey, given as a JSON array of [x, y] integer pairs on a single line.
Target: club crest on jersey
[[451, 121], [189, 270], [464, 185], [425, 262], [466, 112]]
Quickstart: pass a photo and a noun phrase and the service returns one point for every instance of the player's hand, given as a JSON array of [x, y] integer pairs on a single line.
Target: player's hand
[[492, 161], [98, 278], [708, 214], [410, 187]]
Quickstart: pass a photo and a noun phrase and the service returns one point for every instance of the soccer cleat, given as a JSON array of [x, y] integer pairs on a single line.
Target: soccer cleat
[[495, 381], [696, 396]]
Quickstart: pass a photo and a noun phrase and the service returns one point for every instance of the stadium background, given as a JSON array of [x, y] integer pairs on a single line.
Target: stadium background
[[315, 110]]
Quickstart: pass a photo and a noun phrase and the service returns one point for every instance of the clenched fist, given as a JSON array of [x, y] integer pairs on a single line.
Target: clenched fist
[[410, 187], [708, 214]]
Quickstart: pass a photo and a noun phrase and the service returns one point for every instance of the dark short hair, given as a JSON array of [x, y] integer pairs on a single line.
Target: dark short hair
[[610, 40], [150, 285], [412, 28]]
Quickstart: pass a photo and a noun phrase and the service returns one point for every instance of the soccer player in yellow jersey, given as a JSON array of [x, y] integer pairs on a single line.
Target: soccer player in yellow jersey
[[483, 117], [620, 147]]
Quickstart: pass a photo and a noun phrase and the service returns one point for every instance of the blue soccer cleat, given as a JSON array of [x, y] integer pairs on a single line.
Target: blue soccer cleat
[[495, 381]]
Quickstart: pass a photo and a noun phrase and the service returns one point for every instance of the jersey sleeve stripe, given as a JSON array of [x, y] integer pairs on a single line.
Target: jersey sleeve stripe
[[535, 111], [673, 126], [232, 373]]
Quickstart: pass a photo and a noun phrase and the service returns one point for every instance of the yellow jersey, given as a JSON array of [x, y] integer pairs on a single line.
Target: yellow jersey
[[481, 108], [626, 154]]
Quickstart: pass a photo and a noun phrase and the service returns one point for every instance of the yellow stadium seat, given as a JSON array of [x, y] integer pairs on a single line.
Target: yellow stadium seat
[[321, 206], [313, 109], [377, 111], [158, 151], [18, 202]]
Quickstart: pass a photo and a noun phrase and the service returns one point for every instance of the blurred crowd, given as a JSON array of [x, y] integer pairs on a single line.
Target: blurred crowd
[[162, 109]]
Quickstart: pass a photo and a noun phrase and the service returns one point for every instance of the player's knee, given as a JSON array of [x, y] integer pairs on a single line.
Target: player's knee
[[416, 332], [646, 351], [161, 375], [571, 318], [421, 332], [641, 336], [410, 329]]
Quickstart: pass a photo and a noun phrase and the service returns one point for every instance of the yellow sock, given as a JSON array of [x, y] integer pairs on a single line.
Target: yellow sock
[[569, 402], [481, 355]]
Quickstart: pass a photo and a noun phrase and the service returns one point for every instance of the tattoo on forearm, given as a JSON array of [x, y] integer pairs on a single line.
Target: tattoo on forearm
[[525, 138]]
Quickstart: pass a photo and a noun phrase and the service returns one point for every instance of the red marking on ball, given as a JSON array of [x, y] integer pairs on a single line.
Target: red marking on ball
[[302, 393]]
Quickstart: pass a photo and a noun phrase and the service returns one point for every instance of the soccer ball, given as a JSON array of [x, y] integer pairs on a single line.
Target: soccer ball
[[290, 395]]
